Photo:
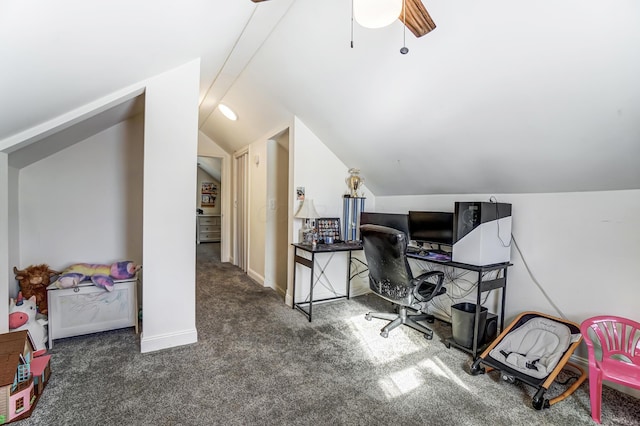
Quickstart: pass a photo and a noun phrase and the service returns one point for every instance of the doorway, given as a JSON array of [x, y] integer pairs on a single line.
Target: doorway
[[209, 200]]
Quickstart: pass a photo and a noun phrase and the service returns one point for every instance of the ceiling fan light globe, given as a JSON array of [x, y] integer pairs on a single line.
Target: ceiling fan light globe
[[376, 13]]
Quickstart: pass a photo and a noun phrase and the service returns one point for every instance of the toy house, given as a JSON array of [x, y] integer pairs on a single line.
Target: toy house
[[23, 375]]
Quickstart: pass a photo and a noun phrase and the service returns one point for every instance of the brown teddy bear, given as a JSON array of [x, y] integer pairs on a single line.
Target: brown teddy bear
[[33, 282]]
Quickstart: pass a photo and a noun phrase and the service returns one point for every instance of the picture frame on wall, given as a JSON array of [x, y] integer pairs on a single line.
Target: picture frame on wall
[[208, 194], [208, 200], [209, 188]]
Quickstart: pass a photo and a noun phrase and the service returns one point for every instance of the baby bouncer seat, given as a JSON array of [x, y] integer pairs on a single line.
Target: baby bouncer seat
[[534, 349]]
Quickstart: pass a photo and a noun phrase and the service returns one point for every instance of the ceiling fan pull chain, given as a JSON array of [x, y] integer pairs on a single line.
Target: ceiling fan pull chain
[[352, 24], [404, 50]]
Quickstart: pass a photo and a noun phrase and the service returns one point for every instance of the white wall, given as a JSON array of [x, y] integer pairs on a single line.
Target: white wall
[[84, 203], [581, 247], [170, 144], [14, 229], [170, 161], [277, 214], [323, 175], [4, 242], [283, 213], [257, 210]]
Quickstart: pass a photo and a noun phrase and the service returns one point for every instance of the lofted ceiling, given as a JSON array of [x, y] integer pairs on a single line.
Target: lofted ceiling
[[212, 166], [502, 97]]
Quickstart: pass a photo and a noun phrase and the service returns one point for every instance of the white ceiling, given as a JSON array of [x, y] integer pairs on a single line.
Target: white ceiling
[[502, 97]]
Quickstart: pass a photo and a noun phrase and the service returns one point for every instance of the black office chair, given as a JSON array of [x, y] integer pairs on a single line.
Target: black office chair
[[391, 278]]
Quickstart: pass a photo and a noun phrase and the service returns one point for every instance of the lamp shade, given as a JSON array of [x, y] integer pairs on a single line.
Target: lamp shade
[[376, 13], [307, 210]]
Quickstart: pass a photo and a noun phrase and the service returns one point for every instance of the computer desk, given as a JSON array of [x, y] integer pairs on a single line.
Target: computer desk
[[483, 286], [349, 247]]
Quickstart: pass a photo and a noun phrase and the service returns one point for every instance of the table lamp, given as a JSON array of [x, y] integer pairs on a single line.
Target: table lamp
[[306, 211]]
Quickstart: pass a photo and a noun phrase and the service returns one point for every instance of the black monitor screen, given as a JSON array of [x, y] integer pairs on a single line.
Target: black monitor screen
[[391, 220], [431, 227]]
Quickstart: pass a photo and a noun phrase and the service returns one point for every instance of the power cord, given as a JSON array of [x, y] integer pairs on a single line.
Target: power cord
[[533, 278], [524, 261], [494, 200]]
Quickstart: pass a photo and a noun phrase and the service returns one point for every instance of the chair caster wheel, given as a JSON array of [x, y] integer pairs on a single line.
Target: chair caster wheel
[[367, 317], [384, 334], [428, 336]]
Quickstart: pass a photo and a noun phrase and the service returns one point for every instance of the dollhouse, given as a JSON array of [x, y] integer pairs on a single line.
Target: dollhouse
[[23, 375]]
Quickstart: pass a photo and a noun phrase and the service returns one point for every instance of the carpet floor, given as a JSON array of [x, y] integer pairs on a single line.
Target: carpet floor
[[259, 362]]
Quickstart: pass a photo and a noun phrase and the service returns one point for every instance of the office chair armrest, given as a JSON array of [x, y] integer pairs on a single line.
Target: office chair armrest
[[422, 281]]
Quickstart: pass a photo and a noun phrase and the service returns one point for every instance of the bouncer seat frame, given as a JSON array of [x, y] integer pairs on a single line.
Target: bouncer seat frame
[[541, 347]]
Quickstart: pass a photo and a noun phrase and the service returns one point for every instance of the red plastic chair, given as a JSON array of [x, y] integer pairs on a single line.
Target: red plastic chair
[[618, 340]]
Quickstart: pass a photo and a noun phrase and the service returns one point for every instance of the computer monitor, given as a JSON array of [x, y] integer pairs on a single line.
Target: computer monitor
[[391, 220], [431, 227]]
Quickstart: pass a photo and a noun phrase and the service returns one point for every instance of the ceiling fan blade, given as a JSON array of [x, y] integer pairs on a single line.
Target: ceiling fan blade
[[417, 18]]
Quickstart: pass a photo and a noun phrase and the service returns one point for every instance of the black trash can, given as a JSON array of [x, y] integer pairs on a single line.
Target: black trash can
[[463, 317]]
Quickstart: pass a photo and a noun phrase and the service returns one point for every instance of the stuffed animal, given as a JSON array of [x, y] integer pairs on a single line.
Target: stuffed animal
[[22, 316], [100, 275], [33, 281]]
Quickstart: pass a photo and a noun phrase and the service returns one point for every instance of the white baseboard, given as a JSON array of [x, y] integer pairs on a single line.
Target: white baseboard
[[256, 277], [281, 292], [165, 341]]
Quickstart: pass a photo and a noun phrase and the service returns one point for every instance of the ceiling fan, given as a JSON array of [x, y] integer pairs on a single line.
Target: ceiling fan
[[414, 16]]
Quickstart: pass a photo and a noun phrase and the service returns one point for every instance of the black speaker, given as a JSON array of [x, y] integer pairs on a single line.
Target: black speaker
[[490, 328]]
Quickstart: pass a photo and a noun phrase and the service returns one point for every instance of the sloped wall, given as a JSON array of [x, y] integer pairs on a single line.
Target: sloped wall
[[84, 203], [322, 174]]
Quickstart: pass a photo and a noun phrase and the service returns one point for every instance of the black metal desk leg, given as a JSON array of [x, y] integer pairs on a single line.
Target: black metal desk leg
[[476, 324], [504, 294], [349, 276], [313, 264], [293, 287]]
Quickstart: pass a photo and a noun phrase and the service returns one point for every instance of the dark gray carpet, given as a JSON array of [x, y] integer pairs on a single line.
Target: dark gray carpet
[[259, 362]]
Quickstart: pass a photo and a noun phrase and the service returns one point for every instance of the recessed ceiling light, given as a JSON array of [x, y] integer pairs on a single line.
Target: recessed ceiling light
[[227, 112]]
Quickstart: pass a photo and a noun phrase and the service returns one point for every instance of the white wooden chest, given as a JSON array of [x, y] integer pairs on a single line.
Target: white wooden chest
[[90, 309]]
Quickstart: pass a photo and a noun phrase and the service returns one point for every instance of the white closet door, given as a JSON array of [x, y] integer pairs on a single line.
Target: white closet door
[[241, 210]]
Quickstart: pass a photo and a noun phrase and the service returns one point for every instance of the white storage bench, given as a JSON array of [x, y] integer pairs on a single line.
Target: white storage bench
[[89, 309]]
